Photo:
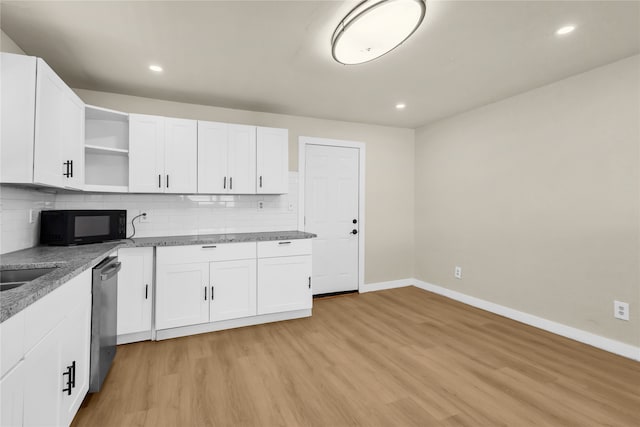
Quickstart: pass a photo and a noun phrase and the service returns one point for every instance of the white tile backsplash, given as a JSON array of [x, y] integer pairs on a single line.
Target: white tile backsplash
[[168, 214], [15, 230]]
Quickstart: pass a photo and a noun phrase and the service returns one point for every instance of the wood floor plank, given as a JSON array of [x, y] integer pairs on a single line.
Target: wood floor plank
[[402, 357]]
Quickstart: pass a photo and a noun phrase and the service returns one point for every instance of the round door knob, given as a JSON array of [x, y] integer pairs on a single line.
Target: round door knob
[[355, 221], [354, 231]]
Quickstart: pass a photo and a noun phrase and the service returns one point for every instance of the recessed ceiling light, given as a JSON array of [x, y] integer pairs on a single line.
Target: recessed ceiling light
[[155, 68], [375, 27], [565, 30], [400, 106]]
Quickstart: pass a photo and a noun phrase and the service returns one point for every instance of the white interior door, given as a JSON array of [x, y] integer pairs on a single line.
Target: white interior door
[[331, 212]]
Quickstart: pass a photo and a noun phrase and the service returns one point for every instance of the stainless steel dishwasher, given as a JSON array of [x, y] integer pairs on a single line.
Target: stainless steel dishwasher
[[104, 317]]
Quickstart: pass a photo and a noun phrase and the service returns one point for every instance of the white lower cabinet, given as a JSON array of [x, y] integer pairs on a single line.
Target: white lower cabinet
[[203, 284], [43, 381], [56, 377], [233, 289], [284, 284], [55, 370], [11, 396], [135, 290], [182, 294], [221, 286]]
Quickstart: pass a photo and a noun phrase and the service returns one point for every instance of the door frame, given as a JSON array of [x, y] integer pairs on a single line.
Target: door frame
[[303, 141]]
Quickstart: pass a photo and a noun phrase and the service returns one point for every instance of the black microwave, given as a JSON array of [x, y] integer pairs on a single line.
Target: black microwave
[[78, 227]]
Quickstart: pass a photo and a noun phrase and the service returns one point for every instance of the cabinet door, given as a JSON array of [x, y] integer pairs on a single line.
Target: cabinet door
[[284, 284], [233, 289], [181, 156], [146, 154], [17, 115], [212, 158], [182, 295], [135, 290], [73, 139], [242, 159], [11, 396], [272, 153], [43, 381], [48, 168], [76, 339]]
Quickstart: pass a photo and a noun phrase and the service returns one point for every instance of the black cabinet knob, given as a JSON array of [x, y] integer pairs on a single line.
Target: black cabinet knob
[[354, 231]]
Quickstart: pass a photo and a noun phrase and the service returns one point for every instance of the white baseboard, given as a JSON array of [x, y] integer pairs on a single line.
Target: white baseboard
[[612, 346], [229, 324], [370, 287], [134, 337]]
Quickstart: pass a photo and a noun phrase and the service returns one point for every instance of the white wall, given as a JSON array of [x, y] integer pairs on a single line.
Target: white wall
[[537, 197]]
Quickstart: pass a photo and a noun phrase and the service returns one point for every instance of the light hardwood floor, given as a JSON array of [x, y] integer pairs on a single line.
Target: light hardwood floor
[[391, 358]]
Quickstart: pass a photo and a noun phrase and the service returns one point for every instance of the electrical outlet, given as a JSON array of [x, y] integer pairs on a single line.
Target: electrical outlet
[[144, 217], [260, 204], [457, 273], [621, 310], [32, 216]]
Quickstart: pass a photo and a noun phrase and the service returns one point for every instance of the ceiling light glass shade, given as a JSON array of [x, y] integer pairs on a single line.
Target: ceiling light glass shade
[[375, 27]]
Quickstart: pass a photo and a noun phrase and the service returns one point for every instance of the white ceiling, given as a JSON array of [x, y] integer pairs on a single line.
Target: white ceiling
[[274, 56]]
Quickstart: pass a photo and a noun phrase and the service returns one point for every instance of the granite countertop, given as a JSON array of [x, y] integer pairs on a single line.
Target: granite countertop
[[73, 260]]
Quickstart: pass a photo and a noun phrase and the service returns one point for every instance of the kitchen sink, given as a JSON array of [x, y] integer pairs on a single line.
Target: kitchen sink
[[10, 279]]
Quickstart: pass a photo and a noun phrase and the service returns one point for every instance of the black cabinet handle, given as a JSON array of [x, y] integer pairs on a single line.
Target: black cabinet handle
[[212, 294], [230, 183], [73, 374], [71, 168], [209, 247], [354, 231], [71, 378], [167, 180], [224, 183], [284, 243], [67, 173], [205, 293], [260, 181], [309, 282], [159, 181], [146, 291]]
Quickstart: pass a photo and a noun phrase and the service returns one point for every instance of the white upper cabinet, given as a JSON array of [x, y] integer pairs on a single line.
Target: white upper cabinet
[[59, 132], [212, 157], [180, 156], [242, 159], [226, 158], [162, 155], [73, 140], [17, 110], [42, 125], [272, 166], [146, 154]]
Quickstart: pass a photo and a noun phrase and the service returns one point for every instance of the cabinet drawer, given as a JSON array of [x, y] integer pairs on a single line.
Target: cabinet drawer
[[45, 314], [278, 248], [205, 253]]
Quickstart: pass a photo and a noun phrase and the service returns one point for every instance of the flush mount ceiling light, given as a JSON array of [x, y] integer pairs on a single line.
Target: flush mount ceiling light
[[401, 106], [155, 68], [565, 30], [375, 27]]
